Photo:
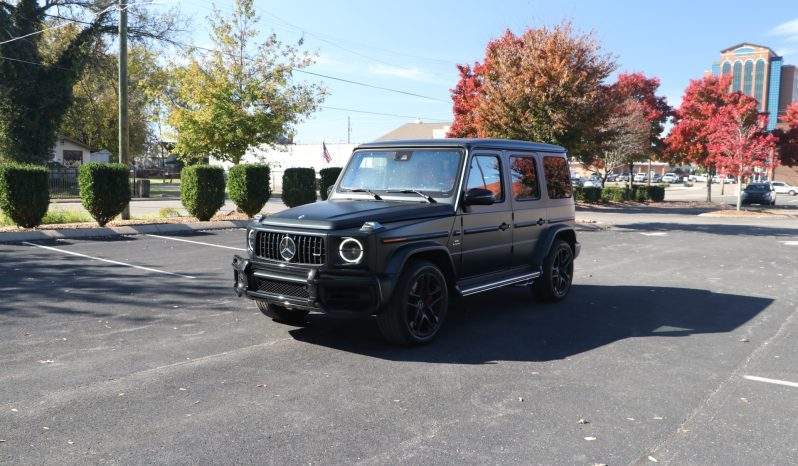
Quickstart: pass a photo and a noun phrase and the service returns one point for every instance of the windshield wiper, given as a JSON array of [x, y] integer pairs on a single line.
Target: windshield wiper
[[413, 191], [362, 190]]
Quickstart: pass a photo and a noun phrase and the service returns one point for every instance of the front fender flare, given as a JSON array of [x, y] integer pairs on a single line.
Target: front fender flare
[[399, 258]]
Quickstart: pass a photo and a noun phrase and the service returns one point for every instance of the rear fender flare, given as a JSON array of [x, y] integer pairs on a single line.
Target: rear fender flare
[[546, 240]]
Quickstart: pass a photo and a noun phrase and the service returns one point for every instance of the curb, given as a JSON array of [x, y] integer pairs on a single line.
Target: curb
[[127, 230]]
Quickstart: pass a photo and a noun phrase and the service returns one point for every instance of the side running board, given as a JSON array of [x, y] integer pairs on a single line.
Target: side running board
[[500, 283]]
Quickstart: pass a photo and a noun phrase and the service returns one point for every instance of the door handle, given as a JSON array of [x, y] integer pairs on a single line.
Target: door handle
[[504, 226], [541, 221]]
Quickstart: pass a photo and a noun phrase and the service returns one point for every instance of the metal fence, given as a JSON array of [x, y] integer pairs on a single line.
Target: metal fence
[[63, 183]]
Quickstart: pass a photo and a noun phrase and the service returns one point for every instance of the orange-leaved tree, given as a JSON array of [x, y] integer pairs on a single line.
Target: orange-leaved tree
[[545, 84]]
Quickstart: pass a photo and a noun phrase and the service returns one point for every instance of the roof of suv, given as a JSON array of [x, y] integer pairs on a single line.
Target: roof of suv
[[469, 143]]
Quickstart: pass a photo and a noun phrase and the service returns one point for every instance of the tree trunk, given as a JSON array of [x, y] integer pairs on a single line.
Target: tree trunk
[[710, 172], [631, 180], [648, 176], [739, 191]]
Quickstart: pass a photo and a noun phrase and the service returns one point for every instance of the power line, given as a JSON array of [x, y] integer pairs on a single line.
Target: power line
[[371, 85], [341, 109]]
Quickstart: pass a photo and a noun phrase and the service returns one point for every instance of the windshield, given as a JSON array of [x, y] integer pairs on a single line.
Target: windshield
[[757, 187], [430, 171]]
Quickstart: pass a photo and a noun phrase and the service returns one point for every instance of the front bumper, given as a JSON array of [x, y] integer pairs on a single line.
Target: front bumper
[[339, 293]]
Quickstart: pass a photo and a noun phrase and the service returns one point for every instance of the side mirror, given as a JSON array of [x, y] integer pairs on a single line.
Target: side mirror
[[478, 196]]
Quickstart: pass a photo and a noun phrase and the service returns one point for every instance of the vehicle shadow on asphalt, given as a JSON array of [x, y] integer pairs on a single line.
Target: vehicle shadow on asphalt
[[714, 229], [508, 325]]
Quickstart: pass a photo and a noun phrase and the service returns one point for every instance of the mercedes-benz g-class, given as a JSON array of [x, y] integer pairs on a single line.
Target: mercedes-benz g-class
[[410, 227]]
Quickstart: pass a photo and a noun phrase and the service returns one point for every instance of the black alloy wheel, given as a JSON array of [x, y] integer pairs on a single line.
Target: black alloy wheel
[[418, 306], [424, 304], [557, 274]]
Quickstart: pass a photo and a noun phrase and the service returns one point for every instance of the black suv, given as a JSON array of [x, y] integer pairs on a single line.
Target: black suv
[[409, 227]]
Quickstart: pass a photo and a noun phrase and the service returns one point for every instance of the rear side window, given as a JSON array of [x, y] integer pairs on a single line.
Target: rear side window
[[558, 177], [485, 172], [524, 178]]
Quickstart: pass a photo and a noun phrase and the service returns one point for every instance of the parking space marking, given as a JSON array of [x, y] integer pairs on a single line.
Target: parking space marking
[[654, 233], [148, 269], [790, 243], [773, 381], [197, 242]]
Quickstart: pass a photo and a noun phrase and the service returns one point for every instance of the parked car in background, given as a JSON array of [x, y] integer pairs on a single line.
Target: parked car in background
[[612, 177], [759, 193], [671, 178], [784, 188], [622, 177], [699, 178], [640, 177], [593, 182], [656, 178], [576, 181]]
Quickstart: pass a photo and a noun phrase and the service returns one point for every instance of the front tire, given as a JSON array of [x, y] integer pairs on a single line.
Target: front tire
[[792, 193], [418, 306], [281, 314], [558, 272]]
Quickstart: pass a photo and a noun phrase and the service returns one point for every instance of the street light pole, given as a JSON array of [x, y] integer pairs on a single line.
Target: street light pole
[[124, 141]]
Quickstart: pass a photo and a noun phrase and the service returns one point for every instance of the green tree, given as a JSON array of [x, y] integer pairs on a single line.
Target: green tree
[[92, 116], [34, 94], [230, 100]]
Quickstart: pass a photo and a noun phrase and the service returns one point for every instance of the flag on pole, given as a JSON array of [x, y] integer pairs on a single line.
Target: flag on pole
[[324, 153]]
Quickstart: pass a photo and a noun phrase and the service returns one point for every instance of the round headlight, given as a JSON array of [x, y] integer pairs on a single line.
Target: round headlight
[[251, 236], [351, 250]]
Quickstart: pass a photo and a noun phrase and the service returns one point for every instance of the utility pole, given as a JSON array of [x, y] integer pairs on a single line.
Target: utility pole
[[348, 130], [124, 141]]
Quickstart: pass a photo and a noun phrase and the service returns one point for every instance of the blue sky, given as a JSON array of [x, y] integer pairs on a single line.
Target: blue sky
[[413, 45]]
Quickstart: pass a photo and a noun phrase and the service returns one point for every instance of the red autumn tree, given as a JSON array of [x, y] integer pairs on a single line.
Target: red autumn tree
[[465, 99], [788, 136], [545, 84], [636, 87], [688, 141], [738, 140]]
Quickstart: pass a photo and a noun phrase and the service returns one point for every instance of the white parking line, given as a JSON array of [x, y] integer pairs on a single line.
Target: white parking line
[[790, 243], [197, 242], [148, 269], [774, 381], [654, 233]]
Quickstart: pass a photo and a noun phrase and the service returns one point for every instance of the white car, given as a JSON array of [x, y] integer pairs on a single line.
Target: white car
[[671, 178], [784, 188], [592, 183], [699, 178], [640, 177]]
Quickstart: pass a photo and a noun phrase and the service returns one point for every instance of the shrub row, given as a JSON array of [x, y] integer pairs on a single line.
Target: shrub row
[[591, 195], [105, 189]]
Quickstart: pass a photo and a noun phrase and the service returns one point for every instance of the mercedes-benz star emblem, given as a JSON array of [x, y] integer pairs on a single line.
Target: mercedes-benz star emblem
[[287, 248]]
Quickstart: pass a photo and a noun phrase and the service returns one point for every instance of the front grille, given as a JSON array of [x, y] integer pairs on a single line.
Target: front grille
[[310, 249], [288, 289]]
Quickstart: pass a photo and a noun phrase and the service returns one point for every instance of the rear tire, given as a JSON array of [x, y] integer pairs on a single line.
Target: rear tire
[[418, 307], [558, 272], [281, 314]]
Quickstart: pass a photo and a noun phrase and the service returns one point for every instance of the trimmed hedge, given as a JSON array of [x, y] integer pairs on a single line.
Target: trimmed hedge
[[590, 194], [104, 190], [655, 193], [202, 190], [24, 193], [299, 186], [614, 194], [249, 187], [327, 177]]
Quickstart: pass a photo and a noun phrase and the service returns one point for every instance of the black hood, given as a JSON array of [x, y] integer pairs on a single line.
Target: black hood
[[343, 214]]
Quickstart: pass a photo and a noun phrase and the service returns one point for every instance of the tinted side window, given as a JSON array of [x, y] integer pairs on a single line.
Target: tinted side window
[[485, 172], [558, 177], [524, 178]]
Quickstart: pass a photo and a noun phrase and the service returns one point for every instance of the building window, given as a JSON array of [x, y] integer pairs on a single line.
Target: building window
[[726, 70], [73, 157], [736, 75], [759, 83], [748, 77]]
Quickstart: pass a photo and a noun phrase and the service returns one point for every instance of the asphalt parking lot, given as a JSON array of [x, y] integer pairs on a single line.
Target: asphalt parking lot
[[677, 345]]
